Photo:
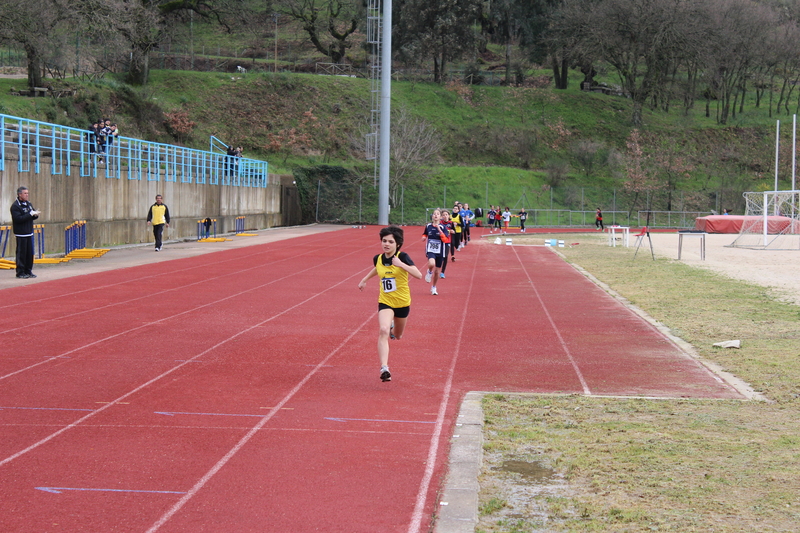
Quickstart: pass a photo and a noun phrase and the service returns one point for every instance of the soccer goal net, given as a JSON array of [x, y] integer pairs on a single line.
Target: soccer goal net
[[771, 222]]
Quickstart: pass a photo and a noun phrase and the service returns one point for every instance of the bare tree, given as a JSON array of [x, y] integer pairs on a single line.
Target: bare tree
[[33, 24], [328, 23], [641, 39], [735, 29], [437, 30], [415, 145]]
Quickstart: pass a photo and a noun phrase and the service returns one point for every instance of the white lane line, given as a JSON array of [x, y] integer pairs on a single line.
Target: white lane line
[[564, 346], [170, 317], [253, 431], [173, 369], [433, 449], [144, 297]]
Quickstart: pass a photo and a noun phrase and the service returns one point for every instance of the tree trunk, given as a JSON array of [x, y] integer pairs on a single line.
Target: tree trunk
[[139, 68], [636, 116], [34, 66], [508, 62], [560, 73]]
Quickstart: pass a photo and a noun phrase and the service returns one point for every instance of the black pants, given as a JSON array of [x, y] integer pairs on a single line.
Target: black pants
[[522, 224], [598, 223], [158, 230], [465, 233], [24, 255]]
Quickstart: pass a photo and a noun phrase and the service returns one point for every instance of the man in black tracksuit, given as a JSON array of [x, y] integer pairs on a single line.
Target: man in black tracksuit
[[22, 216]]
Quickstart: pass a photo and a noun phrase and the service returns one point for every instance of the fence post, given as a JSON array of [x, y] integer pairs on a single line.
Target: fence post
[[319, 186]]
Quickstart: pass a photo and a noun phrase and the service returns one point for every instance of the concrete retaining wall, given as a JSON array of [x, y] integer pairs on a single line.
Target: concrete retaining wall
[[116, 209]]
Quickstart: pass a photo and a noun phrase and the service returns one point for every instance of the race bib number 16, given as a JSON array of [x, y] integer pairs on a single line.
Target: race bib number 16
[[389, 284]]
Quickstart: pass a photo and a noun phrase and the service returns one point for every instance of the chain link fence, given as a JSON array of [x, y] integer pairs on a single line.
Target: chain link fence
[[328, 201]]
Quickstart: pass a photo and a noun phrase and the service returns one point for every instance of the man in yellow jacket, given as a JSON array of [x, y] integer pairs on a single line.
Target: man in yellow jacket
[[158, 215]]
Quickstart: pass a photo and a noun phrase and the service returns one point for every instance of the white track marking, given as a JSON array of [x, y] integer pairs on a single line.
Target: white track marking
[[564, 346], [239, 445], [433, 449], [176, 315]]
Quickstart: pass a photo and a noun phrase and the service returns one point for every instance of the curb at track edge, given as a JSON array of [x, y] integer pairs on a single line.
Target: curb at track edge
[[457, 505], [741, 386]]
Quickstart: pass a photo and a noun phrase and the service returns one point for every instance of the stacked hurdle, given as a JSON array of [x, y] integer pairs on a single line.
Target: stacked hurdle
[[38, 246], [75, 242], [240, 228], [5, 264], [201, 232]]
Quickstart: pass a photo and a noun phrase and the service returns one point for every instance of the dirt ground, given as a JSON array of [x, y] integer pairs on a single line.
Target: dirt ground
[[776, 269]]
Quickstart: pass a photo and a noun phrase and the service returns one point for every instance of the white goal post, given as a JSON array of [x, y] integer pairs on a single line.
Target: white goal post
[[772, 221]]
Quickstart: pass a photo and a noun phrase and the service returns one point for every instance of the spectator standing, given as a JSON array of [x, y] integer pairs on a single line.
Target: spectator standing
[[230, 156], [103, 132], [158, 216], [113, 133], [91, 138], [22, 216]]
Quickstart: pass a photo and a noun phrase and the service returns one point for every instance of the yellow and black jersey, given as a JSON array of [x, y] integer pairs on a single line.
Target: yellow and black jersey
[[394, 281], [158, 214]]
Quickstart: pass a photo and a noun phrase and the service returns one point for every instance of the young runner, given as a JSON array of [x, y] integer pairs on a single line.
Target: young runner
[[498, 216], [455, 218], [448, 247], [506, 219], [394, 303], [435, 234], [523, 216]]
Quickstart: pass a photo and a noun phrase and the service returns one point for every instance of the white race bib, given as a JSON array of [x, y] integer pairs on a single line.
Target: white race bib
[[434, 247], [388, 284]]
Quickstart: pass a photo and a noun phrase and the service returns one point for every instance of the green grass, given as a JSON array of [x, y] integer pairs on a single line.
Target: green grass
[[664, 465]]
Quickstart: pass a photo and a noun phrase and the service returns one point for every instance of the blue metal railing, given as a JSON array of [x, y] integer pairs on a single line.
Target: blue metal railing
[[31, 141]]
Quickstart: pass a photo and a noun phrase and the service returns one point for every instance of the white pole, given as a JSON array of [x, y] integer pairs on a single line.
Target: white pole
[[777, 152], [794, 149], [766, 219], [386, 94]]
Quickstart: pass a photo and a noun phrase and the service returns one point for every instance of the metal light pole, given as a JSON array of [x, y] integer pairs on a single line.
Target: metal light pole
[[386, 93]]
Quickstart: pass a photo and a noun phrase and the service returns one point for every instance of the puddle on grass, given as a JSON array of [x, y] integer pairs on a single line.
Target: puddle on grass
[[532, 472]]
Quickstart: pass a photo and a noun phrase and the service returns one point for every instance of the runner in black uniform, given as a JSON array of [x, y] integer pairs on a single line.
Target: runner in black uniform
[[435, 235]]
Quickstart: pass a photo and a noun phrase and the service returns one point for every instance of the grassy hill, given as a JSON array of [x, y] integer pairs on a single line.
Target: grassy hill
[[522, 141]]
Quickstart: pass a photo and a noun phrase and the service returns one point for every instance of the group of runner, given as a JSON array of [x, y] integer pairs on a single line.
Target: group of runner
[[495, 216]]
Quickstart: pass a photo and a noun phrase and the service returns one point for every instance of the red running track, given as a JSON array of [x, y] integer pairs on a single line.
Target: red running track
[[238, 391]]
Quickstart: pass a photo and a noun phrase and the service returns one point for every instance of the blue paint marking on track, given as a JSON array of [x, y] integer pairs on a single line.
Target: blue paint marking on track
[[378, 420], [173, 413], [47, 408], [58, 490]]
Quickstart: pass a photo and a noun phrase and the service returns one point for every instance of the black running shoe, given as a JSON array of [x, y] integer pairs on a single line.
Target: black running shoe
[[386, 375]]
